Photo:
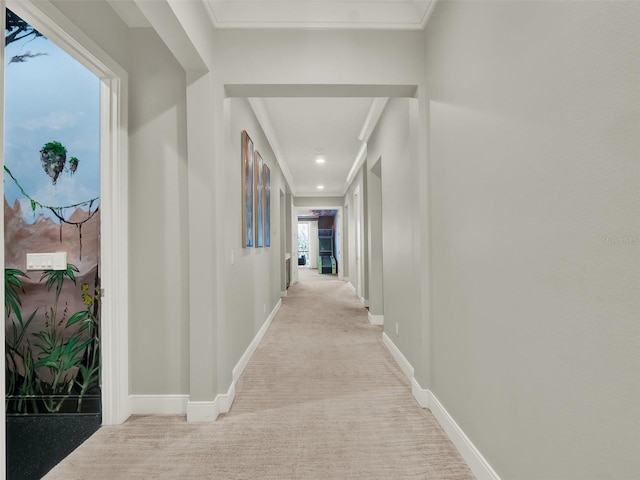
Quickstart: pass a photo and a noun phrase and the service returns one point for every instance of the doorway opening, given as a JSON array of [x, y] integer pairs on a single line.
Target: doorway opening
[[51, 250], [101, 319], [319, 240]]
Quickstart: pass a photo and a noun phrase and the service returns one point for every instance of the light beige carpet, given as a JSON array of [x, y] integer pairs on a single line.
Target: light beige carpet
[[321, 399]]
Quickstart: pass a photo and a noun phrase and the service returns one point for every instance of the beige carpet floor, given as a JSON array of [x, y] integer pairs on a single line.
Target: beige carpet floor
[[321, 399]]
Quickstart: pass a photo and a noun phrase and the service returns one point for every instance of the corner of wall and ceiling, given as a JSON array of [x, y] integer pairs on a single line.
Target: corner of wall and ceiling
[[428, 13], [260, 111], [370, 123], [129, 12], [326, 14]]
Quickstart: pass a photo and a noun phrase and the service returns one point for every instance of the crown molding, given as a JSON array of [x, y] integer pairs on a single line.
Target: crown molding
[[428, 13], [318, 14], [370, 123], [130, 13], [260, 111]]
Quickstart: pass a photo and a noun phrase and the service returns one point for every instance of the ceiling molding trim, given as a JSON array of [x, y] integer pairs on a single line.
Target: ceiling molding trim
[[260, 111], [320, 90], [168, 27], [208, 6], [357, 163], [318, 14], [319, 195], [371, 121], [377, 107], [130, 14], [297, 25], [428, 13]]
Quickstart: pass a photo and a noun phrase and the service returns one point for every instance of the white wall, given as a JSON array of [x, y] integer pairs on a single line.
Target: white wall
[[395, 143], [253, 280], [158, 315], [158, 322], [351, 224], [316, 57], [374, 237], [534, 119]]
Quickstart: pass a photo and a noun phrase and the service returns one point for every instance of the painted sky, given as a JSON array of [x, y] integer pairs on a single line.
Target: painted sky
[[49, 98]]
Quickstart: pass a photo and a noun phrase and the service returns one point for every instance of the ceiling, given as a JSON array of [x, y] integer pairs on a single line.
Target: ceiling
[[310, 127], [351, 14], [298, 129]]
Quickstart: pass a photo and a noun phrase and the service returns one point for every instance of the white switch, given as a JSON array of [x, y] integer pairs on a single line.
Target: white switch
[[47, 261], [59, 261]]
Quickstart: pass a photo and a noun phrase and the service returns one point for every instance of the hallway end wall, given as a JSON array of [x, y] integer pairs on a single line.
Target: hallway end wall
[[534, 116]]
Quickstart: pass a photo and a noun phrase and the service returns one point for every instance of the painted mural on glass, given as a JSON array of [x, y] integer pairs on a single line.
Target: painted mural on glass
[[51, 204]]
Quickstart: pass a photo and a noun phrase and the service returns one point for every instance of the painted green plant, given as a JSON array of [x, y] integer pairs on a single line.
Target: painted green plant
[[18, 353], [63, 360]]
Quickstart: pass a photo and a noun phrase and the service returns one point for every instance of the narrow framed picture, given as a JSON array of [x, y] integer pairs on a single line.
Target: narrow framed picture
[[259, 199], [267, 206], [247, 191]]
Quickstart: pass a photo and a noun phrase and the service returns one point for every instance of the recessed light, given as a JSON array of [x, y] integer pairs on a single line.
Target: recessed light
[[320, 187], [320, 160]]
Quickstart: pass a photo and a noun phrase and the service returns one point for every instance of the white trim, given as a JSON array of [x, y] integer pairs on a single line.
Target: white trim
[[209, 411], [365, 302], [376, 319], [370, 123], [397, 355], [475, 460], [244, 360], [373, 116], [283, 294], [158, 404], [198, 412], [427, 399], [332, 14], [260, 111], [114, 197], [428, 13]]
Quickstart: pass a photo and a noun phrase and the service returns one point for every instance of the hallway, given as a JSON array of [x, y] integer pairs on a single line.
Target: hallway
[[321, 399]]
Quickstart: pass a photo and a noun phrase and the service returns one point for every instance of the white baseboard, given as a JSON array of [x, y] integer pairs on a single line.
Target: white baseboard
[[158, 404], [397, 355], [283, 294], [475, 460], [376, 319], [198, 412], [352, 287], [427, 399], [251, 349], [209, 411]]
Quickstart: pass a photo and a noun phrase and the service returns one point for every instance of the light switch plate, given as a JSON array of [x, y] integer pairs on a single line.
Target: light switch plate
[[47, 261]]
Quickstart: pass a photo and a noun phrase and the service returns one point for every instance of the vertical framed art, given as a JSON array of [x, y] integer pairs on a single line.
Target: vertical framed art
[[267, 206], [247, 191], [259, 198]]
